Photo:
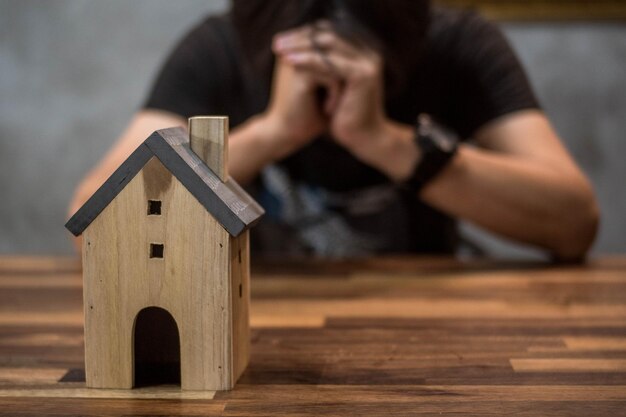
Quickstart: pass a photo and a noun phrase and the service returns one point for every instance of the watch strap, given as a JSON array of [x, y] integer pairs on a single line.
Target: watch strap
[[437, 146]]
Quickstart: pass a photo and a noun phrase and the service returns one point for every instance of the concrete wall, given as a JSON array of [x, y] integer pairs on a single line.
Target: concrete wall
[[73, 71], [71, 74]]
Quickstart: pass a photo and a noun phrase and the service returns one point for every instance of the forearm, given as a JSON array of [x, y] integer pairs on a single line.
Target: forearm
[[516, 196], [519, 198], [251, 147]]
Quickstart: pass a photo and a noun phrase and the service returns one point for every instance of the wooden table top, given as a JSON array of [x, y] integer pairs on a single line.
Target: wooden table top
[[392, 336]]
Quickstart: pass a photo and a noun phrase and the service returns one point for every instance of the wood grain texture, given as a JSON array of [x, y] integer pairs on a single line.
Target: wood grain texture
[[327, 346], [596, 343], [147, 393], [208, 138], [191, 281], [569, 365], [240, 292]]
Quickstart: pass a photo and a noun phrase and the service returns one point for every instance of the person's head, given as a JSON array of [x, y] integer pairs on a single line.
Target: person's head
[[395, 28]]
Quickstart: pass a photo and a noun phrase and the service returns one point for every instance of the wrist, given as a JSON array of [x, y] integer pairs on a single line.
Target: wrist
[[280, 135], [437, 145], [390, 147]]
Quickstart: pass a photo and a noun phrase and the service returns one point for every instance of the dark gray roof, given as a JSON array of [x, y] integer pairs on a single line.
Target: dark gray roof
[[231, 206]]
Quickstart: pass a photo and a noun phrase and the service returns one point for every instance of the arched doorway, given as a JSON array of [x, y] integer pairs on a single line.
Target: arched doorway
[[156, 348]]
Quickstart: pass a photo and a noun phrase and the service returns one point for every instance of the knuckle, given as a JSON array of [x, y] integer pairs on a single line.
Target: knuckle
[[328, 38], [365, 73]]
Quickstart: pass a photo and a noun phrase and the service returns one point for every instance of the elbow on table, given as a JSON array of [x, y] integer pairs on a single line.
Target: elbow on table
[[578, 226]]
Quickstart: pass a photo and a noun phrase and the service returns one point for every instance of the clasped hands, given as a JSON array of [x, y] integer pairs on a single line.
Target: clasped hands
[[312, 57]]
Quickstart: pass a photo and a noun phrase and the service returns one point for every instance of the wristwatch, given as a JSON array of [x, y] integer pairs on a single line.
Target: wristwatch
[[437, 146]]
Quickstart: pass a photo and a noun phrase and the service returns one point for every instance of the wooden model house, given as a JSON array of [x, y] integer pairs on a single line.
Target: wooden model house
[[166, 264]]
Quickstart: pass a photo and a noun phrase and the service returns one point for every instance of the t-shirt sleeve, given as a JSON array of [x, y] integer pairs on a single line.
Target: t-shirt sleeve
[[489, 79], [187, 83]]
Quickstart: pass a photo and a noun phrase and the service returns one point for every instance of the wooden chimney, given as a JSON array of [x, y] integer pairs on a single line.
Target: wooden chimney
[[208, 137]]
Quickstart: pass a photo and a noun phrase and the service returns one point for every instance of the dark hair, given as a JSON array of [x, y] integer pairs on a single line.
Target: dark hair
[[395, 28]]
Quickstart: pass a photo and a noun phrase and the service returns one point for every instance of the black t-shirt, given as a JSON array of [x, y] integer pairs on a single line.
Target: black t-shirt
[[322, 200]]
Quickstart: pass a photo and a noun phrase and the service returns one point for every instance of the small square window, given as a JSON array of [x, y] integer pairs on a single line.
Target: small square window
[[156, 250], [154, 207]]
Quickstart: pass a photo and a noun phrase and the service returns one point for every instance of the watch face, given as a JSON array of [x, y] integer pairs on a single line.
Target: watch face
[[437, 145], [443, 140]]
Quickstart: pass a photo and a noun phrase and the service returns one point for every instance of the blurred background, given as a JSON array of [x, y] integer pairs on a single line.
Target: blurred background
[[72, 72]]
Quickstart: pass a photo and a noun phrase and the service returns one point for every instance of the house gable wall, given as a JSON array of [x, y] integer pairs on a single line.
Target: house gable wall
[[191, 281]]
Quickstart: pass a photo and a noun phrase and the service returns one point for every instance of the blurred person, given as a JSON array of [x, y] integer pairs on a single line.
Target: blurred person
[[368, 127]]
